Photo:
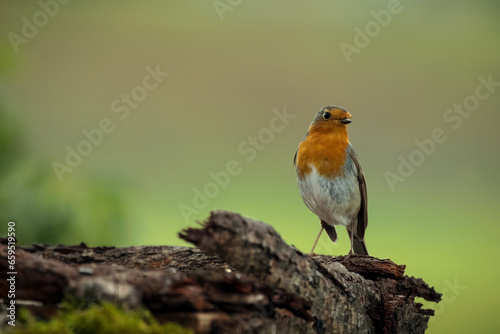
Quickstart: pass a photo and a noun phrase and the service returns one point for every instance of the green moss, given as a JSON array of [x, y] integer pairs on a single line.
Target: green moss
[[105, 318]]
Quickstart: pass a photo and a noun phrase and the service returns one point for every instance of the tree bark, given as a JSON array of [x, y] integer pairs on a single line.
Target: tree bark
[[242, 278]]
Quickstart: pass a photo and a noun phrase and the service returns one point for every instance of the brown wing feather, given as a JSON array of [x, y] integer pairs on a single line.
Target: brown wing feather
[[330, 230], [363, 210]]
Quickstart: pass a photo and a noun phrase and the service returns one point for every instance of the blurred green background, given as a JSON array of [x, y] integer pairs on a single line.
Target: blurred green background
[[230, 65]]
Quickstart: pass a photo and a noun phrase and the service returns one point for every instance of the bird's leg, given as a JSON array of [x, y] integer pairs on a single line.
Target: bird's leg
[[316, 242], [351, 252]]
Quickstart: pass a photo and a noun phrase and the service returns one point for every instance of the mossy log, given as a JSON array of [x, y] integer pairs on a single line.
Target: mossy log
[[241, 278]]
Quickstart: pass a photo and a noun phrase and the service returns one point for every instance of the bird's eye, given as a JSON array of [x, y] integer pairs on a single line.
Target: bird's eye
[[326, 115]]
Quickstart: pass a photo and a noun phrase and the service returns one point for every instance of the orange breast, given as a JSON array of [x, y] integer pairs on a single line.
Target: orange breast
[[325, 150]]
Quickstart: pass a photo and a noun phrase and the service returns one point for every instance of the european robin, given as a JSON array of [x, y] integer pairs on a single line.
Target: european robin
[[330, 177]]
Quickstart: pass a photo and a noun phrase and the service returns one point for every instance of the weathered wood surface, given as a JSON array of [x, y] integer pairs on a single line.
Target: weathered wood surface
[[242, 278]]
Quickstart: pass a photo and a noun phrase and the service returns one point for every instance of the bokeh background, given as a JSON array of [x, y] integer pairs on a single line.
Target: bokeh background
[[232, 66]]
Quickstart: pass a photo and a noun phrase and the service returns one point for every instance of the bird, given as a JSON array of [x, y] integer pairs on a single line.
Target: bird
[[330, 178]]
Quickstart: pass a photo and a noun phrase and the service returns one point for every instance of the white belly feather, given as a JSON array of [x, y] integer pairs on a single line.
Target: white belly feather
[[336, 201]]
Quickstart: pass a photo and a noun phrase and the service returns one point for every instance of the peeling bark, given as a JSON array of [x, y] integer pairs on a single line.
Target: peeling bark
[[242, 278]]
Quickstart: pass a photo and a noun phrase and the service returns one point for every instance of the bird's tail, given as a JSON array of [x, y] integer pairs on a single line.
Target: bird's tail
[[358, 246]]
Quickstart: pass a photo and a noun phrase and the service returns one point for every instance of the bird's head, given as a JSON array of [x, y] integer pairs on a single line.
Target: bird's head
[[331, 118]]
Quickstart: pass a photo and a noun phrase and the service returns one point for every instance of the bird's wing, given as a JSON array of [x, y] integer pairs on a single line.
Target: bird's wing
[[297, 152], [330, 230], [363, 210]]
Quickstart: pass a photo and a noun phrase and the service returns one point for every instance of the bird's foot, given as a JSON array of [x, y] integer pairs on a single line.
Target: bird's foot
[[351, 253]]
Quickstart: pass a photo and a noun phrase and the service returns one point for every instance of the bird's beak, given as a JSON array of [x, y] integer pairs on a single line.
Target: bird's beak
[[345, 121]]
